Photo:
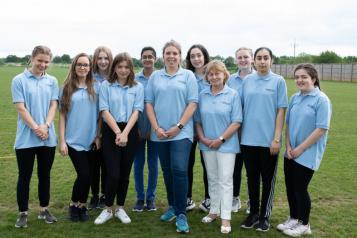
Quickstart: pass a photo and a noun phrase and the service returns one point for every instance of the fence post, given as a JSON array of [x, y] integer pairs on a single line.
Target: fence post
[[352, 73], [322, 71], [331, 72], [341, 73]]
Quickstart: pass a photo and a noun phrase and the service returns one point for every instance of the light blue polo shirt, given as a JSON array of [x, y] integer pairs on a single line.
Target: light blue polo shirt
[[36, 94], [170, 95], [81, 119], [306, 113], [143, 121], [121, 101], [235, 81], [201, 83], [262, 97], [99, 78], [216, 113]]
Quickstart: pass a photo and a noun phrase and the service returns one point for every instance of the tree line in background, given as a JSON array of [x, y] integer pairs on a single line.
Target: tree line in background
[[326, 57]]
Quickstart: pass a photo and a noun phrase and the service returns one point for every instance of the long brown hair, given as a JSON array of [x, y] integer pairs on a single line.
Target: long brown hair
[[117, 60], [97, 51], [70, 85]]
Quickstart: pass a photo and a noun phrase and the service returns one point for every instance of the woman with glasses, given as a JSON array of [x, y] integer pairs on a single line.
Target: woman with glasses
[[78, 130]]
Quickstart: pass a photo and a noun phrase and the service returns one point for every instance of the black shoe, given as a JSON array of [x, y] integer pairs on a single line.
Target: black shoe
[[83, 214], [101, 203], [139, 206], [73, 212], [250, 221], [150, 205], [93, 202], [263, 225]]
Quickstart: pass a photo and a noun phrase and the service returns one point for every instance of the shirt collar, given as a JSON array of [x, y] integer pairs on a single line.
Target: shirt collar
[[313, 92], [180, 71], [30, 75], [265, 77], [117, 84], [223, 91]]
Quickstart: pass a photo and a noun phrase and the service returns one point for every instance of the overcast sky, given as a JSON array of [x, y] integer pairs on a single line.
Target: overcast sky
[[74, 26]]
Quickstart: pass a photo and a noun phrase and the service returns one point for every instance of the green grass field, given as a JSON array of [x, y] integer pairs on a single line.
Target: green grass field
[[333, 188]]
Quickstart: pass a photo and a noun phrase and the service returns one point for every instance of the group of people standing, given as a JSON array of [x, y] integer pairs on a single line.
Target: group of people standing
[[109, 117]]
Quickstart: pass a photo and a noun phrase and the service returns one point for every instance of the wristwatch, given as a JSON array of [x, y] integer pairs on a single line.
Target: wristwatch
[[222, 139], [179, 125], [48, 125]]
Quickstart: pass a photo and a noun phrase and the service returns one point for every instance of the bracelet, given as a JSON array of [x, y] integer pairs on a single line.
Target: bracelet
[[277, 140], [48, 125], [155, 130]]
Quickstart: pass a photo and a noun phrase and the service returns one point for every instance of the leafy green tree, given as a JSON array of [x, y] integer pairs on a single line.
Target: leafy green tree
[[328, 57], [159, 64], [217, 57], [66, 59], [57, 59], [137, 63], [229, 62], [12, 59]]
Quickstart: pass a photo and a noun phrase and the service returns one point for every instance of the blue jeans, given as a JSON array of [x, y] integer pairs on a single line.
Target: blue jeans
[[139, 162], [174, 163]]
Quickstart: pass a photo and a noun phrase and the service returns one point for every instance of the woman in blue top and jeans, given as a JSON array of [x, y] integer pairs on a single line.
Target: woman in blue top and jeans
[[171, 99]]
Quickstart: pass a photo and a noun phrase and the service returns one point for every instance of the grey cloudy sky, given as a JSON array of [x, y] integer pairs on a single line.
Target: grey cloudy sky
[[73, 26]]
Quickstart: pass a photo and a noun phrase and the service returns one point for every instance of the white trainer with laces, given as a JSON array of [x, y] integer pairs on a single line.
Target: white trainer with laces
[[236, 204], [288, 224], [104, 216], [298, 230], [122, 216]]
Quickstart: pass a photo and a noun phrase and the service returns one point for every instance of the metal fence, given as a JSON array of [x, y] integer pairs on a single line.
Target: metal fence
[[334, 72]]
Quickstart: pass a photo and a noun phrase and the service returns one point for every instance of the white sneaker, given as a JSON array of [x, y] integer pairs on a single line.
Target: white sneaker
[[104, 216], [298, 230], [288, 224], [122, 216], [236, 204]]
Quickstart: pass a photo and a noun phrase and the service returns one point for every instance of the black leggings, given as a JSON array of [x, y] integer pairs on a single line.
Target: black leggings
[[118, 161], [237, 175], [82, 162], [25, 161], [191, 163], [297, 179], [260, 165], [98, 173]]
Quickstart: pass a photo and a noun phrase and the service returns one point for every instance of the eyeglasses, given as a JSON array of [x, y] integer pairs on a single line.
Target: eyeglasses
[[79, 65], [144, 57]]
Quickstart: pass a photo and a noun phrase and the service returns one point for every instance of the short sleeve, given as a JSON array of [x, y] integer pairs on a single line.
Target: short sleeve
[[17, 91], [149, 90], [289, 109], [192, 88], [139, 98], [104, 97], [55, 90], [323, 113], [282, 94], [236, 115]]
